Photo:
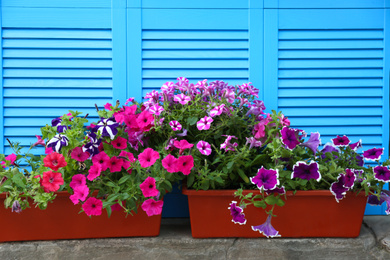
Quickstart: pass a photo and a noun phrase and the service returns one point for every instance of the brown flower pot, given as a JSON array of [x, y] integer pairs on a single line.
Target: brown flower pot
[[61, 220], [305, 214]]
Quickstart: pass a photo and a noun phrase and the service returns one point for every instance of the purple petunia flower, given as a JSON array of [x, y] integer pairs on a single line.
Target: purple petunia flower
[[266, 179], [204, 147], [182, 99], [227, 145], [267, 229], [313, 142], [356, 146], [107, 127], [306, 171], [289, 137], [253, 142], [350, 178], [229, 95], [204, 123], [256, 108], [57, 142], [382, 173], [338, 188], [329, 148], [57, 122], [156, 109], [237, 213], [341, 141], [278, 190], [175, 125], [216, 111], [373, 154], [384, 197], [184, 133], [92, 147]]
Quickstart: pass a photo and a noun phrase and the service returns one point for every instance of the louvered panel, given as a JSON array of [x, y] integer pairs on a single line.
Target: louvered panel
[[331, 81], [48, 72], [195, 54]]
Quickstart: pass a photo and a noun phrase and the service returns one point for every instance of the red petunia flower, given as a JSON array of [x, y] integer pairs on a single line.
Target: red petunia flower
[[115, 164], [54, 161], [51, 181]]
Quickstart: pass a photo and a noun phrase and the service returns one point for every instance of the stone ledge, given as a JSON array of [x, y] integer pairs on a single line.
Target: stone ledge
[[175, 242]]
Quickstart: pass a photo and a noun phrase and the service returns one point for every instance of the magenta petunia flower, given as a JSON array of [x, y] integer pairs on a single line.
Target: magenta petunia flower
[[12, 158], [185, 164], [48, 150], [129, 100], [78, 180], [238, 217], [156, 109], [204, 123], [229, 95], [289, 137], [152, 207], [80, 193], [101, 158], [227, 145], [94, 171], [181, 98], [78, 154], [259, 130], [39, 141], [148, 187], [306, 171], [216, 111], [373, 154], [350, 178], [115, 164], [182, 145], [145, 119], [129, 159], [108, 106], [382, 173], [278, 190], [338, 188], [266, 179], [204, 147], [313, 142], [356, 146], [175, 125], [148, 157], [169, 163], [267, 229], [52, 181], [93, 206], [341, 141], [119, 143]]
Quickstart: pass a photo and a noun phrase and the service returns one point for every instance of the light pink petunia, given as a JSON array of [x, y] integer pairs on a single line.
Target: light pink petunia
[[93, 206], [78, 180], [108, 106], [182, 144], [80, 193], [129, 159], [152, 207], [182, 99], [169, 163], [39, 141], [216, 111], [175, 125], [156, 109], [204, 147], [148, 157], [94, 171], [148, 187], [204, 123]]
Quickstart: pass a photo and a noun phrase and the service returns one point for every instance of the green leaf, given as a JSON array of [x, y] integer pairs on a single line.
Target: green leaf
[[206, 185], [18, 180], [124, 179], [190, 180], [109, 211], [230, 164], [271, 200], [192, 120], [111, 184], [280, 202], [259, 204], [242, 175]]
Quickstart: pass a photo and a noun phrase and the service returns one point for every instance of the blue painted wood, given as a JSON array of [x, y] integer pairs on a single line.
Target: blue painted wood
[[119, 51], [2, 139], [56, 18], [326, 4], [134, 54], [203, 4], [256, 47], [58, 3]]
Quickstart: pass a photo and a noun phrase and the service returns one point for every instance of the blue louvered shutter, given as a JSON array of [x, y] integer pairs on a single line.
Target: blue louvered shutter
[[329, 73], [55, 58]]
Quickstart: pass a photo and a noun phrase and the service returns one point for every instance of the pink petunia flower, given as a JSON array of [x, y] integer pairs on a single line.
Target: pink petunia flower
[[40, 141], [227, 145], [78, 154], [184, 164], [52, 181], [48, 150], [94, 171], [182, 145], [148, 187], [152, 207], [144, 120], [78, 180], [216, 111], [115, 164], [169, 163], [11, 158], [148, 157], [204, 123], [204, 147], [129, 100], [175, 125], [129, 159], [93, 206], [182, 99], [156, 109], [80, 193], [108, 106], [119, 143], [101, 158]]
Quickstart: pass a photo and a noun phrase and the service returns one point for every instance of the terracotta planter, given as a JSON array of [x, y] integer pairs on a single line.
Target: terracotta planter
[[305, 214], [61, 220]]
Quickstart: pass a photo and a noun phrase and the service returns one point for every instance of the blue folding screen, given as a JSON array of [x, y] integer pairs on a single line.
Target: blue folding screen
[[325, 64]]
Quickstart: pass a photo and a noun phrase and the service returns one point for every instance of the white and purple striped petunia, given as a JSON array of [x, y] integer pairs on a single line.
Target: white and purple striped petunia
[[175, 125], [107, 127], [156, 109], [204, 123], [57, 142], [216, 111], [204, 147], [182, 99]]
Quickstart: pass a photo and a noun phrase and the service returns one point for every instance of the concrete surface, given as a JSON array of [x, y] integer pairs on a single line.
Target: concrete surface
[[175, 242]]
